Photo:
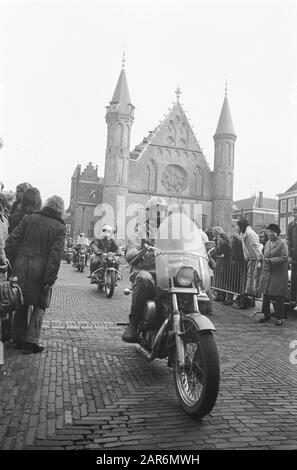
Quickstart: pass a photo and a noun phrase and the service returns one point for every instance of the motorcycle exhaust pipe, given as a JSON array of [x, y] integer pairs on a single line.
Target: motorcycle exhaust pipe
[[151, 356], [157, 340], [144, 352]]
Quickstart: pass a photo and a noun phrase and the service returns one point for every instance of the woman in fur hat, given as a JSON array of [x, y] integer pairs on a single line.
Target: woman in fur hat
[[274, 279]]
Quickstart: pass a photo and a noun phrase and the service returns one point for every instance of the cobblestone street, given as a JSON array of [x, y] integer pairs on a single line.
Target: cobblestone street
[[89, 390]]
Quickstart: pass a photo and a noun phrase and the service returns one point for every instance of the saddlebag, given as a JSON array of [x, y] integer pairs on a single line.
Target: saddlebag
[[11, 296]]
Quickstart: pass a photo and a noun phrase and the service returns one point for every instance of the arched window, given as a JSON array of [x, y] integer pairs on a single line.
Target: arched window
[[198, 182], [152, 174]]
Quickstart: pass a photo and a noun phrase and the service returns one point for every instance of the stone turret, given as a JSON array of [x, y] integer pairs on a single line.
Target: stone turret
[[224, 141], [119, 119]]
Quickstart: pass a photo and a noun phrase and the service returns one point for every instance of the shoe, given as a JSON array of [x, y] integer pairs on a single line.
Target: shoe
[[130, 334], [242, 306], [29, 348], [251, 303], [278, 322], [228, 302], [264, 319]]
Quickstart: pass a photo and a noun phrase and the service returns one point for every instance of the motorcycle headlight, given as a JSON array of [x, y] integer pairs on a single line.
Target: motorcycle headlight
[[185, 277], [110, 256]]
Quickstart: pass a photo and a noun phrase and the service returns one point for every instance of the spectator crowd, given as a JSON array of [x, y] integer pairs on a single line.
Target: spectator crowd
[[255, 266]]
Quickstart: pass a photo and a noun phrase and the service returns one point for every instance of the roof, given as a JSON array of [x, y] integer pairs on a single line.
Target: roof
[[121, 94], [292, 188], [76, 171], [253, 203], [225, 125], [181, 135]]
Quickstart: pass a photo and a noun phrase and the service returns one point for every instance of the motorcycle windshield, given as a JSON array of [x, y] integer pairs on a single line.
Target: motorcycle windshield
[[179, 243]]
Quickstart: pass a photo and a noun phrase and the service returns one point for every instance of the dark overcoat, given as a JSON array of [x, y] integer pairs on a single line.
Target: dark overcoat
[[35, 249], [274, 277]]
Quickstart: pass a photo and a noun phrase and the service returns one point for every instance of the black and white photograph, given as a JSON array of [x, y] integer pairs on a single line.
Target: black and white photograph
[[148, 229]]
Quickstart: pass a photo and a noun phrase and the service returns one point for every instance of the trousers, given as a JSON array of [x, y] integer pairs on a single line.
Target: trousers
[[278, 304], [24, 332], [143, 289]]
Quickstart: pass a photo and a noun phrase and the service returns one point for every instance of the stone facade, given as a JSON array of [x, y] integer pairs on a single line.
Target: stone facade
[[169, 163]]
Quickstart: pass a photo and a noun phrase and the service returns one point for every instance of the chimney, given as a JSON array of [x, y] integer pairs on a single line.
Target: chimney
[[260, 198]]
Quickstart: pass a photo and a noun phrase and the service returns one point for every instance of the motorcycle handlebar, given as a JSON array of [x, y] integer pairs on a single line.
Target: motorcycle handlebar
[[144, 250]]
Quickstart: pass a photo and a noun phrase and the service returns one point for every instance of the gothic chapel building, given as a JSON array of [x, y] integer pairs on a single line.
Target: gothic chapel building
[[169, 163]]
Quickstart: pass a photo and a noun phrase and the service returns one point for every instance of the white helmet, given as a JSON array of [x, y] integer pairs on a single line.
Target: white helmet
[[107, 228]]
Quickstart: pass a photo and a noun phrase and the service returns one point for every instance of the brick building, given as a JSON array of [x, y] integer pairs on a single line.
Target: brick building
[[286, 202], [86, 194], [169, 162], [258, 210]]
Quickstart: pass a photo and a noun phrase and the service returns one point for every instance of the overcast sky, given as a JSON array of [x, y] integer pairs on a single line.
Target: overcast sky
[[60, 61]]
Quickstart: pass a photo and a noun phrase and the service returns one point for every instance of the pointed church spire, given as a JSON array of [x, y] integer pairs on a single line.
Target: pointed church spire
[[225, 125], [178, 93], [121, 95]]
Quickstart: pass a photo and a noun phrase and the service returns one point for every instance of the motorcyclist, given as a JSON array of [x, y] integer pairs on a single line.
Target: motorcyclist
[[69, 243], [104, 244], [82, 243], [143, 271]]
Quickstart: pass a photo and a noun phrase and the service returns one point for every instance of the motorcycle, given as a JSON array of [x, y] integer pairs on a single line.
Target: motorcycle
[[80, 261], [68, 255], [107, 275], [172, 326]]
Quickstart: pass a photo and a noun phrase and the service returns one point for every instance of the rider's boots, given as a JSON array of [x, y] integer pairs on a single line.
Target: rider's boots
[[130, 333]]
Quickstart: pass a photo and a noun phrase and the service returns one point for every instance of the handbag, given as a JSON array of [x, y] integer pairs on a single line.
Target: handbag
[[11, 296], [45, 297]]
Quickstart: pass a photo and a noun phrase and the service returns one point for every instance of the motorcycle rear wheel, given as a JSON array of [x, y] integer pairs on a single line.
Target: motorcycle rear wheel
[[197, 384], [109, 283]]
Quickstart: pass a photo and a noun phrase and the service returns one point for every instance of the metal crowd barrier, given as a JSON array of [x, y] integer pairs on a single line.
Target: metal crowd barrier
[[230, 276]]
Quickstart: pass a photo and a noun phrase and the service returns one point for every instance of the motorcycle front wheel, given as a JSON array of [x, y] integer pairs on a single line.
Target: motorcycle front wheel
[[109, 283], [197, 383]]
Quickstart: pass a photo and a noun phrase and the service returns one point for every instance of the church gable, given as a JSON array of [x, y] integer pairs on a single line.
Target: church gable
[[170, 162], [175, 131], [173, 138]]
